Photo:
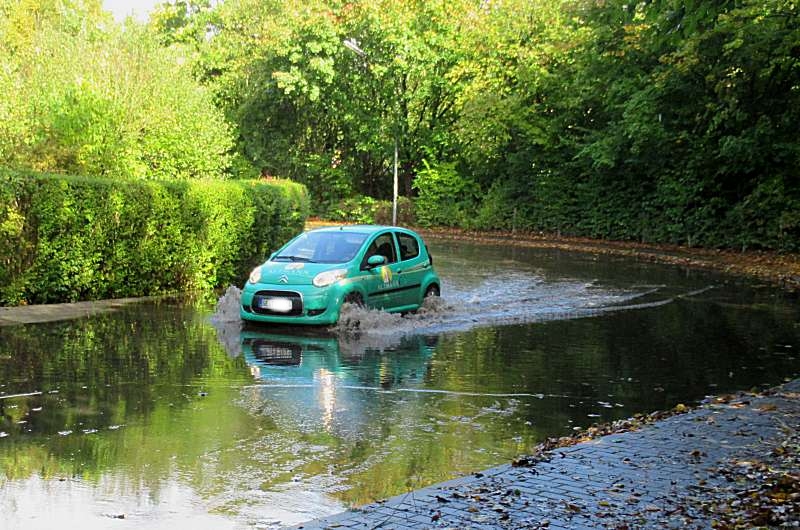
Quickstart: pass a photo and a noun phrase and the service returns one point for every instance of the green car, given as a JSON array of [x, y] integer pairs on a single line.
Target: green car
[[311, 276]]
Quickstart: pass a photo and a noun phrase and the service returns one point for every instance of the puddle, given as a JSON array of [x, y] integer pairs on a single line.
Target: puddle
[[142, 413]]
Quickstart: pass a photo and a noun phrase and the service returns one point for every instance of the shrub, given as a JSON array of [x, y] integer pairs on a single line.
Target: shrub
[[66, 238], [405, 212], [366, 210], [446, 198], [359, 209], [104, 101]]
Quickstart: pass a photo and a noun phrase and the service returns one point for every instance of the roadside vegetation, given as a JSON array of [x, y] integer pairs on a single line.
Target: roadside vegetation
[[669, 121], [656, 122], [85, 238], [81, 95], [154, 207]]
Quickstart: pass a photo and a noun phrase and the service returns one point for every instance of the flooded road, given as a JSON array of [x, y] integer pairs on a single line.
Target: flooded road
[[156, 417]]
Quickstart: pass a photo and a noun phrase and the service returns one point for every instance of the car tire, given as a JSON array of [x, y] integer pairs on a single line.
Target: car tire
[[432, 290], [354, 299]]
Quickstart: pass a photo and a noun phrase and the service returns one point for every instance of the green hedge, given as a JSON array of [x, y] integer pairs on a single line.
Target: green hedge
[[66, 238], [366, 210]]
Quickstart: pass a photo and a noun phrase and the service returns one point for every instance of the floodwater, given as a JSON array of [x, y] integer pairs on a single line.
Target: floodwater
[[167, 415]]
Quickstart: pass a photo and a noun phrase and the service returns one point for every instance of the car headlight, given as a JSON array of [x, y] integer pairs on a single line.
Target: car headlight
[[323, 279], [255, 276]]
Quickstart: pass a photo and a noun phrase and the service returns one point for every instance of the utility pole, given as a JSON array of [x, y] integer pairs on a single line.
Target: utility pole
[[353, 46]]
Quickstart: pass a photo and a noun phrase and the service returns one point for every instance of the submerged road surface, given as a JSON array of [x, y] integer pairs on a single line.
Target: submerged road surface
[[163, 414]]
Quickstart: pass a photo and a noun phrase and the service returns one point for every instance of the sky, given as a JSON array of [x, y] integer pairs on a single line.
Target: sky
[[122, 8]]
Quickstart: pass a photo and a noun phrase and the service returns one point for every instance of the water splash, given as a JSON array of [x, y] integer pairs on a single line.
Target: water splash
[[227, 309], [226, 320], [512, 298]]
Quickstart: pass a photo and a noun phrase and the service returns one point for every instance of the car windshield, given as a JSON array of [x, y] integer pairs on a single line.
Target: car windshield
[[323, 247]]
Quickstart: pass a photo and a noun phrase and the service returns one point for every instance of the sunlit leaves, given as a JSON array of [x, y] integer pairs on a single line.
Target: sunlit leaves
[[81, 95], [669, 121], [80, 238], [308, 107]]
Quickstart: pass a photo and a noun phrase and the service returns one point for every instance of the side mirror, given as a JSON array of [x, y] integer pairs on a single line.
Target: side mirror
[[376, 260]]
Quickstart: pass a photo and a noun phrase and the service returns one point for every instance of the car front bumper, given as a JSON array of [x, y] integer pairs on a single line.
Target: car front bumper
[[309, 304]]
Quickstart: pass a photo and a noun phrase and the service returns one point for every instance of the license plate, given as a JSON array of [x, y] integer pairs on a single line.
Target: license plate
[[277, 305]]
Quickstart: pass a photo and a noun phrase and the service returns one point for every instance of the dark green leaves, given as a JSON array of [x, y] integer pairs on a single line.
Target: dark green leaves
[[74, 238]]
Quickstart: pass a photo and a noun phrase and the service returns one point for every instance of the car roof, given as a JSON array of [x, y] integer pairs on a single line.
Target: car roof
[[360, 229]]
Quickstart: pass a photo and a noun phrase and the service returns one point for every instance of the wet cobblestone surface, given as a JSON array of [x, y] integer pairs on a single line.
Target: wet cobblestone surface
[[661, 476]]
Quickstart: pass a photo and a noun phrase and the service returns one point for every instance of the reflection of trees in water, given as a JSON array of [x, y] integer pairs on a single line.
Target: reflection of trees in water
[[395, 415], [647, 359], [152, 358], [100, 374]]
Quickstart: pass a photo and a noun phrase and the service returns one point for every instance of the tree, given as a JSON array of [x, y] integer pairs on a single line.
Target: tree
[[308, 108], [82, 95]]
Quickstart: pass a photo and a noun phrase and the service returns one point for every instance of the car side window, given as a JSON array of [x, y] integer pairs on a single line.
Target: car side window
[[383, 246], [409, 246]]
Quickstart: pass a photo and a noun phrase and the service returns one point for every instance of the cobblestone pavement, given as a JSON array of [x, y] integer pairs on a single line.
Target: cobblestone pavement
[[660, 476]]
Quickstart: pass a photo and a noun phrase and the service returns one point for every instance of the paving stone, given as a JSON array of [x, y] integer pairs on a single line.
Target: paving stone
[[639, 479]]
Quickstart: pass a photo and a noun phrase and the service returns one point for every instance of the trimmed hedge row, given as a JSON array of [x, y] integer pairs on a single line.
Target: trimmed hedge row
[[65, 238]]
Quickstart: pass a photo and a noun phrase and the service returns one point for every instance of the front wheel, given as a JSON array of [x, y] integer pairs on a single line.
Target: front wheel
[[354, 299], [432, 290], [349, 321]]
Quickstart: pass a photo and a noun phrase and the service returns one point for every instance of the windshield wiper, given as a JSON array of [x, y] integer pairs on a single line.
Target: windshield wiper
[[293, 258]]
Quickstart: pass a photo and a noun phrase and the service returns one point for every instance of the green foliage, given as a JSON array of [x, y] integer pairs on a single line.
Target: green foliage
[[445, 197], [96, 99], [655, 121], [81, 238], [693, 133], [406, 212], [366, 210], [360, 210], [327, 181], [306, 106]]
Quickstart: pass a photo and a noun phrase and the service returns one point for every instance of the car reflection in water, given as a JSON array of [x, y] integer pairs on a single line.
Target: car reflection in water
[[331, 382], [271, 350]]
